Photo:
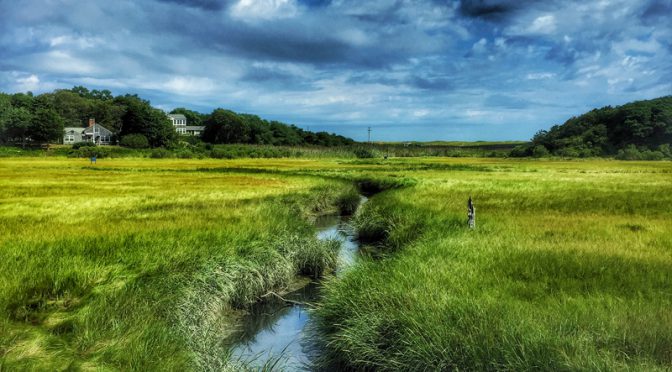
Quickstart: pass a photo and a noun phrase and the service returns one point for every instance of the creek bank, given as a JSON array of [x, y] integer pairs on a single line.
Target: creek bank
[[277, 331]]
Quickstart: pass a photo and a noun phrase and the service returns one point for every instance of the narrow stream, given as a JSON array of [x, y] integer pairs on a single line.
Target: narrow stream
[[274, 330]]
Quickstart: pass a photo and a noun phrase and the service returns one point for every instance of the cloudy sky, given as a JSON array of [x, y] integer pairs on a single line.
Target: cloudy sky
[[412, 70]]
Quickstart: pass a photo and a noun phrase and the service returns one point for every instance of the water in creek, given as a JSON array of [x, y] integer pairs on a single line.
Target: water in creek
[[276, 331]]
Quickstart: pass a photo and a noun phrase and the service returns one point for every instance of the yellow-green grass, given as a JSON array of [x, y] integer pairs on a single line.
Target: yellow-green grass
[[569, 268], [136, 263]]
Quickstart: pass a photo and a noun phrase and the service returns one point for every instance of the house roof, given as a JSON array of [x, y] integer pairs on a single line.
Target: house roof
[[177, 116], [194, 127], [89, 130]]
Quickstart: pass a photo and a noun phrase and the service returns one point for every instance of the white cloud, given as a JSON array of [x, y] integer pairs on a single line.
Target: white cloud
[[480, 46], [28, 83], [542, 25], [189, 85], [79, 42], [250, 10], [540, 75]]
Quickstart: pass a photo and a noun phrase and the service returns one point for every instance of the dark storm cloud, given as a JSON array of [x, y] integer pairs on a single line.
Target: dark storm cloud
[[203, 4], [657, 10], [266, 77], [494, 10], [465, 67], [315, 3], [431, 83]]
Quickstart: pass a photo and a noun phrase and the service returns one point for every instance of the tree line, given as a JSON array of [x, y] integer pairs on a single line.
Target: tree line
[[32, 119], [637, 130]]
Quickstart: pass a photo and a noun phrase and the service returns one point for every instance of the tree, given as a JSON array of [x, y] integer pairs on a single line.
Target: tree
[[141, 118], [224, 126], [134, 141], [5, 108], [17, 124], [46, 126]]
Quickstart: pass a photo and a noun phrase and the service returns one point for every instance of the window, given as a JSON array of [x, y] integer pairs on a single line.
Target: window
[[69, 138]]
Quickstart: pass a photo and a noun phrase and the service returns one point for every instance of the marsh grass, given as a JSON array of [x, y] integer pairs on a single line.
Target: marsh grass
[[568, 269], [139, 264], [135, 267]]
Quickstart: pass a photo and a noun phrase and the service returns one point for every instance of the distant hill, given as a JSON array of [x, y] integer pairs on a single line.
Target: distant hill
[[643, 127]]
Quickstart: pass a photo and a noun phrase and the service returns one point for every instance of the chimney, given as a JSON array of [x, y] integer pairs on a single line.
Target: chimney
[[92, 122]]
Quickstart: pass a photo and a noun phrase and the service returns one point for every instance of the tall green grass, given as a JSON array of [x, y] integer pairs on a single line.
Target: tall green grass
[[569, 268], [138, 264], [120, 269]]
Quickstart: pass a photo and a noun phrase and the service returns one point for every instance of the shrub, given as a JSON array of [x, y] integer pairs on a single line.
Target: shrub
[[569, 152], [160, 153], [630, 152], [521, 151], [79, 145], [539, 151], [364, 153], [134, 141], [184, 154], [665, 150], [91, 151]]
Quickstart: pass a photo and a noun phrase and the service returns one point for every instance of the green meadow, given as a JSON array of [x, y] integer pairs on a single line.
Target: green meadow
[[137, 264]]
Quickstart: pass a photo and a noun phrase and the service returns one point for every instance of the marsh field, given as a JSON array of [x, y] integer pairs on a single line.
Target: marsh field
[[148, 264]]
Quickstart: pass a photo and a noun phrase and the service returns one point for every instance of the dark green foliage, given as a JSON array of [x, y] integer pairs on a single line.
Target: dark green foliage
[[224, 126], [88, 150], [539, 151], [141, 118], [609, 131], [134, 141], [227, 127], [79, 145], [25, 118], [16, 125], [364, 153], [631, 152], [46, 126], [161, 153]]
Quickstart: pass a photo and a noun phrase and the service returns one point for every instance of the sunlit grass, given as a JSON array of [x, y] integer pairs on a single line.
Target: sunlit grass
[[141, 263], [570, 267], [131, 266]]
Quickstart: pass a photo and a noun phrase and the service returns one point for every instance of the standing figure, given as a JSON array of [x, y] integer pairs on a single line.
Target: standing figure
[[471, 214]]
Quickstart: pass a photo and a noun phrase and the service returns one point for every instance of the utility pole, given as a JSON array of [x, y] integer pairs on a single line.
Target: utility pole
[[369, 130]]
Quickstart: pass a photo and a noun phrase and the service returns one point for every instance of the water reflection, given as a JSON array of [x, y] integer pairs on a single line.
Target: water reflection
[[274, 329]]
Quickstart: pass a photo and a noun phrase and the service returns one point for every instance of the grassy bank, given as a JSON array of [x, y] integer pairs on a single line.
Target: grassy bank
[[569, 269], [136, 264], [142, 264]]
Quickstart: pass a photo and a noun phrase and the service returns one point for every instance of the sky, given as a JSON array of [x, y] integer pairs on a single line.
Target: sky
[[410, 70]]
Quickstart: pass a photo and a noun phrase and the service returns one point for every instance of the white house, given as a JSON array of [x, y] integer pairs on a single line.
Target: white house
[[94, 133], [180, 124]]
